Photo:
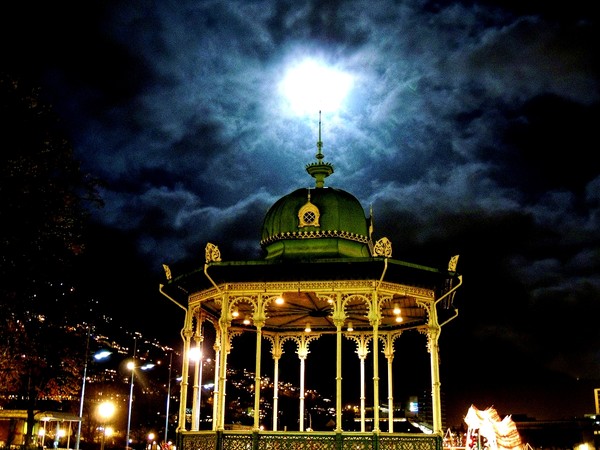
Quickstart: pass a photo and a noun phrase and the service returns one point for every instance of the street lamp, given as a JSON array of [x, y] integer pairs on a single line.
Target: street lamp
[[102, 354], [151, 437], [132, 366], [168, 399], [105, 411]]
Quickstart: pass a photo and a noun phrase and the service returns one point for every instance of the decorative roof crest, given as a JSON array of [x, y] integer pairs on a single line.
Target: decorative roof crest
[[319, 170]]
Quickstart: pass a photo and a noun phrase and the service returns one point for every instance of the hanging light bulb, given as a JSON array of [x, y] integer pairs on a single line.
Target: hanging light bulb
[[235, 313], [246, 320], [396, 309], [350, 327], [279, 300], [399, 319], [307, 329]]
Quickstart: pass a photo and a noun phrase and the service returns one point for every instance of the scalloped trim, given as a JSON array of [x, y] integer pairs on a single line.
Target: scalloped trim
[[293, 235]]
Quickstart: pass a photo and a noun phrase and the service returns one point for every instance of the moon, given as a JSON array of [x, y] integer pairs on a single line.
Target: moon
[[312, 86]]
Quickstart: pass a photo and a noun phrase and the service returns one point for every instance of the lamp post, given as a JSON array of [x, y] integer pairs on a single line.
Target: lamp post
[[97, 356], [132, 366], [151, 437], [105, 411], [168, 399], [87, 349]]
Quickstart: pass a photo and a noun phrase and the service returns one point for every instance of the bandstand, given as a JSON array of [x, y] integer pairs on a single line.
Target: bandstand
[[322, 273]]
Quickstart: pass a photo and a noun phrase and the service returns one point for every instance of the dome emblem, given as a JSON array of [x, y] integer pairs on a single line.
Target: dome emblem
[[309, 214], [383, 247]]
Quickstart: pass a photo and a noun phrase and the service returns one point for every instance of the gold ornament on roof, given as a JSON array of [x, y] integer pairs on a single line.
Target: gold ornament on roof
[[309, 215], [452, 263], [383, 247], [212, 253], [167, 271]]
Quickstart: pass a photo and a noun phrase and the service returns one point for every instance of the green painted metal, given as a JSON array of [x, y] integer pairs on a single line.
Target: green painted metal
[[270, 440], [343, 229]]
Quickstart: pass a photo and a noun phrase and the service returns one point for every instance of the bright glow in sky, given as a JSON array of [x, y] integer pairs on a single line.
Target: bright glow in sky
[[184, 128], [312, 86]]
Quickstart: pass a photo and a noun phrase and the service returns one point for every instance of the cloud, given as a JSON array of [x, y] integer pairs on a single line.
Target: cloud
[[470, 129]]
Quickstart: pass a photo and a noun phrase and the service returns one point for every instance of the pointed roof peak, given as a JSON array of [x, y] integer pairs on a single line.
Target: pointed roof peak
[[319, 154], [319, 170]]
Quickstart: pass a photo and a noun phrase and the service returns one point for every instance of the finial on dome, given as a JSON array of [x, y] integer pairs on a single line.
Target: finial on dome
[[319, 170], [319, 142]]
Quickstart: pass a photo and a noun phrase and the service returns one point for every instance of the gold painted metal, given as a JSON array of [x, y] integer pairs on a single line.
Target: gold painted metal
[[308, 215], [367, 304]]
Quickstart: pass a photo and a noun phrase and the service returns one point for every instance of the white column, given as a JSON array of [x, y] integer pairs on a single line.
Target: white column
[[390, 358], [217, 348], [303, 354], [362, 393], [224, 324], [338, 379], [257, 380], [362, 350], [223, 383], [275, 391], [433, 335], [302, 359], [276, 352], [339, 317], [376, 377], [196, 387], [187, 335]]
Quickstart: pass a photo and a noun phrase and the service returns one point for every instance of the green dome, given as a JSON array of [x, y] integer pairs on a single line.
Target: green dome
[[316, 223]]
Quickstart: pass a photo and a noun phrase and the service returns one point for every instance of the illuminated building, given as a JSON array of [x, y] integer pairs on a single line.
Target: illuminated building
[[322, 274]]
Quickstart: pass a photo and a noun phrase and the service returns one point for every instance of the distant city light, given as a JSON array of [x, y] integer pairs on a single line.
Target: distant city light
[[101, 354]]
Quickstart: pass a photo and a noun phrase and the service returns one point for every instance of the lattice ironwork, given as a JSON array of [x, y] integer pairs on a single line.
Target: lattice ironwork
[[207, 441], [429, 442], [238, 441], [297, 442], [307, 441], [358, 442]]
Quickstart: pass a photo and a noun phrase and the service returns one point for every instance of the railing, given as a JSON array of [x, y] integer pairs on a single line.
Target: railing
[[273, 440]]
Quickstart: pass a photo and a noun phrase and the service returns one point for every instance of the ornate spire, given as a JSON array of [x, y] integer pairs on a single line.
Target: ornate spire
[[319, 170], [319, 154]]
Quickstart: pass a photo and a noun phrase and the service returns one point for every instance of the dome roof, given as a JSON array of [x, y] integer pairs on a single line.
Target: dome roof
[[316, 223]]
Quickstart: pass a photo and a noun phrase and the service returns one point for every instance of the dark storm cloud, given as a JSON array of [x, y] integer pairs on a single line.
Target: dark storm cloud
[[470, 129]]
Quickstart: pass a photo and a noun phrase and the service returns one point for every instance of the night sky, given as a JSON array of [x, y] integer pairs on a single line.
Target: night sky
[[470, 128]]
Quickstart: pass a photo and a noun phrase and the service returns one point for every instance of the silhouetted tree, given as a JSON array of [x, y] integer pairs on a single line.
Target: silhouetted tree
[[43, 199]]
